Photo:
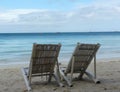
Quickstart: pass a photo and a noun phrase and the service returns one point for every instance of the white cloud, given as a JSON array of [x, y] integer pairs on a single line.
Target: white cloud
[[43, 17], [99, 15], [40, 16], [13, 15]]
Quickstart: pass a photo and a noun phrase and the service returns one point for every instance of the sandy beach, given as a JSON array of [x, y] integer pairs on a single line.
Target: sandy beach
[[11, 80]]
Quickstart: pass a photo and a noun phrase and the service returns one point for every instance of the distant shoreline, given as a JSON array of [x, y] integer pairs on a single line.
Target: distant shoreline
[[61, 32]]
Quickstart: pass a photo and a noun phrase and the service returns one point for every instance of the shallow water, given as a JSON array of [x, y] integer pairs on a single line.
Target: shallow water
[[16, 47]]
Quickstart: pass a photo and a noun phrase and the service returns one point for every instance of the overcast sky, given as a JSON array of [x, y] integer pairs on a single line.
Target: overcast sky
[[59, 15]]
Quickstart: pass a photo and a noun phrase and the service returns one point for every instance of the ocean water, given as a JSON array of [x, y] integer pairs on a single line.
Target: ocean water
[[16, 48]]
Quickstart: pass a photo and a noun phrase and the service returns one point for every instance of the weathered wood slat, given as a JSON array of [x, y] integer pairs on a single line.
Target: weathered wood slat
[[81, 58], [42, 63]]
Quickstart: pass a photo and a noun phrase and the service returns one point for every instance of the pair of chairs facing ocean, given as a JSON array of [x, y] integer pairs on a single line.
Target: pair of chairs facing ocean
[[44, 58]]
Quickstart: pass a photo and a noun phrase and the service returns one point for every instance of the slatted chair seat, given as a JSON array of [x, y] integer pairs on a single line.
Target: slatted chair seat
[[43, 60], [80, 60]]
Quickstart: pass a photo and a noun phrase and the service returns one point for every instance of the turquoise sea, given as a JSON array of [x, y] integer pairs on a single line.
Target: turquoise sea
[[15, 48]]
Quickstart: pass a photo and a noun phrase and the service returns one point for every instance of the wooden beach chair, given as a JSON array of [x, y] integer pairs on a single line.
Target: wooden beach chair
[[80, 60], [43, 60]]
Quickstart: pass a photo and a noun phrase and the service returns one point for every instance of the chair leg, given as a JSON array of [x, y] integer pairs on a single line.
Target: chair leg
[[80, 75], [92, 77], [26, 80], [50, 77], [58, 80], [66, 79]]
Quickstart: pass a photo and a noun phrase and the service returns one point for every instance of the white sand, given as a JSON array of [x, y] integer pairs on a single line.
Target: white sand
[[11, 80]]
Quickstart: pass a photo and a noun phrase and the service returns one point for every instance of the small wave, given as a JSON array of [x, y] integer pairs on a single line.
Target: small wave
[[16, 51]]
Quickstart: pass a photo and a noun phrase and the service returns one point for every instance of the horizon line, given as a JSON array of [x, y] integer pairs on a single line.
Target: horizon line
[[66, 32]]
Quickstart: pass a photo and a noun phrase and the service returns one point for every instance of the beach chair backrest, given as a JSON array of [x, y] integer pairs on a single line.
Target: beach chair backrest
[[82, 56], [44, 57]]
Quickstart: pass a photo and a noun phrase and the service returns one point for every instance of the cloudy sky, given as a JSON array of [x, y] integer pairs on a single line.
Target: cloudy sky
[[59, 15]]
